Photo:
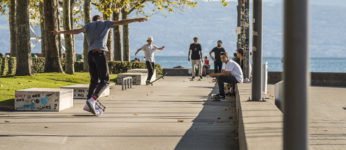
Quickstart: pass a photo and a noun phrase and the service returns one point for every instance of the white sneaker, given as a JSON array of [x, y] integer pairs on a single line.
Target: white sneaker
[[91, 104], [86, 108]]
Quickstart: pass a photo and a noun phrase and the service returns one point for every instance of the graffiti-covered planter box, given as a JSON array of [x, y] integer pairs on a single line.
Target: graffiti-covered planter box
[[80, 91], [43, 99]]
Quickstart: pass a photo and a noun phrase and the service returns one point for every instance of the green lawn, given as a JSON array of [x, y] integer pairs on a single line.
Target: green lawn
[[8, 85]]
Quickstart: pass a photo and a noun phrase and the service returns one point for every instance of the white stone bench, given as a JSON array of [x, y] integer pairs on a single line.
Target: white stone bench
[[43, 99], [80, 91], [143, 71], [137, 78], [126, 83]]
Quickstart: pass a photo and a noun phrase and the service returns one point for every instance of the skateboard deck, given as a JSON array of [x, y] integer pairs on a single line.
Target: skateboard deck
[[161, 77]]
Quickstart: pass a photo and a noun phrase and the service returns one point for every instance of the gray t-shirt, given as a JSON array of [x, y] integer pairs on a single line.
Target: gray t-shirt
[[97, 34]]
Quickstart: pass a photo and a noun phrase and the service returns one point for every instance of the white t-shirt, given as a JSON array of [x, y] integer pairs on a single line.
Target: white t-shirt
[[149, 52], [235, 69]]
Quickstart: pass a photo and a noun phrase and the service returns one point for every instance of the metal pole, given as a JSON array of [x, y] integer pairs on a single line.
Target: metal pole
[[257, 50], [296, 74]]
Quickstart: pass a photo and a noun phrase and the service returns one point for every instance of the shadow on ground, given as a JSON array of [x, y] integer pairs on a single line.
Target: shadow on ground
[[213, 128]]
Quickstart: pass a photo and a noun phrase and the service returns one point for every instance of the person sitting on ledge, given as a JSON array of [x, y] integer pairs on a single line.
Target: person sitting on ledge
[[232, 74]]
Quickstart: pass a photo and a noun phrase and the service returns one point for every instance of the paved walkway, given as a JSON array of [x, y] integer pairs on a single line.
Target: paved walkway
[[327, 118], [175, 113]]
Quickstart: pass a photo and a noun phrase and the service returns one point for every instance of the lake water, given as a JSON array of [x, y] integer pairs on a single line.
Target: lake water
[[274, 63]]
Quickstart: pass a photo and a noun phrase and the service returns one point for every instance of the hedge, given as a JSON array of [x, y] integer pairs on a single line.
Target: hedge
[[114, 66], [1, 59], [12, 66], [8, 66], [38, 65], [4, 66]]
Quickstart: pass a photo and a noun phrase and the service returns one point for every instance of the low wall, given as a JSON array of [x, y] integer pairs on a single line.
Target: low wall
[[317, 78], [259, 123]]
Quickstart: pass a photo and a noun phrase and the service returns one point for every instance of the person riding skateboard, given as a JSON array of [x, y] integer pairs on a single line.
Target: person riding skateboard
[[233, 74], [149, 51], [96, 33]]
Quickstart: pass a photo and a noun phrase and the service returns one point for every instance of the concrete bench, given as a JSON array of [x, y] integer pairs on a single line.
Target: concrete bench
[[80, 91], [143, 71], [126, 83], [137, 78], [43, 99]]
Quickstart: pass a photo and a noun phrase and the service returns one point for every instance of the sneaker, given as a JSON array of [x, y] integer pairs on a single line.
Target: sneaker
[[193, 78], [147, 82], [86, 108], [91, 103], [218, 97], [200, 77]]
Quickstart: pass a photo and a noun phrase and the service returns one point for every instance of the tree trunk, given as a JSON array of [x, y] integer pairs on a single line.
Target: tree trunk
[[117, 38], [87, 16], [109, 41], [43, 36], [126, 37], [69, 63], [53, 63], [12, 19], [60, 49], [72, 27], [23, 39]]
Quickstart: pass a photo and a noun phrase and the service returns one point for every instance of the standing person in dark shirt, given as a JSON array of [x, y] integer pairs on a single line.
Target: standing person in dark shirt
[[217, 60], [195, 53]]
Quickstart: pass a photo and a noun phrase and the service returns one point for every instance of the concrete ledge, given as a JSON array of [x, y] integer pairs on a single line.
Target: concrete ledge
[[80, 91], [137, 78], [317, 78], [259, 123], [143, 71], [43, 99]]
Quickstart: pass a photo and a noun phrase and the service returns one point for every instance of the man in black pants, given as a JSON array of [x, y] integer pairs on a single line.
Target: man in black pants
[[233, 74], [96, 34], [217, 60], [149, 50]]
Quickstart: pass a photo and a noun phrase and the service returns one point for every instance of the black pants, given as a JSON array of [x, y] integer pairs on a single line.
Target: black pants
[[150, 67], [98, 69], [217, 67], [228, 79]]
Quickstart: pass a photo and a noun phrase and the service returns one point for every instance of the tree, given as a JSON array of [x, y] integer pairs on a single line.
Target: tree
[[12, 20], [43, 37], [107, 16], [159, 5], [117, 37], [69, 61], [87, 16], [23, 38], [53, 63]]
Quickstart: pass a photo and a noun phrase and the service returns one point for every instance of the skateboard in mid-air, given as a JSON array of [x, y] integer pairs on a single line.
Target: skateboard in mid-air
[[161, 77], [99, 105]]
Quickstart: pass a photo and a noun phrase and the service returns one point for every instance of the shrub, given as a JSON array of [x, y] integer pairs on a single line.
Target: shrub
[[78, 66], [1, 59], [38, 65], [4, 68], [12, 66]]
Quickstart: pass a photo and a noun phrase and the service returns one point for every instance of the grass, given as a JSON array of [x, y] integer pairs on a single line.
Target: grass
[[8, 85]]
